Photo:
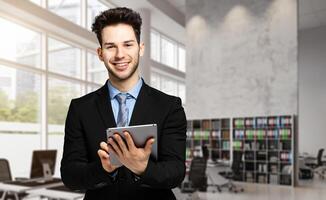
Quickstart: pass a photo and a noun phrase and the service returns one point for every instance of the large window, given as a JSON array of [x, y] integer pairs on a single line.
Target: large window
[[182, 59], [64, 59], [94, 7], [155, 46], [19, 44], [169, 85], [60, 94], [37, 2], [20, 109], [96, 69], [171, 54], [68, 9], [41, 71], [36, 89], [167, 51]]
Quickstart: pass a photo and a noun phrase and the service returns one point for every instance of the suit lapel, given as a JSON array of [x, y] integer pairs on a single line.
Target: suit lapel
[[143, 101], [104, 107]]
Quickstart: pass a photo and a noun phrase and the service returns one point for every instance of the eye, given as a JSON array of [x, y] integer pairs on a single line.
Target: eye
[[128, 45], [109, 47]]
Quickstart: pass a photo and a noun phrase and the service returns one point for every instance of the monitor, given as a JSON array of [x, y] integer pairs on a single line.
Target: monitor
[[43, 163]]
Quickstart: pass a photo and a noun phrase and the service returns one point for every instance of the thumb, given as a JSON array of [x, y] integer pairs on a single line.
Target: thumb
[[148, 146]]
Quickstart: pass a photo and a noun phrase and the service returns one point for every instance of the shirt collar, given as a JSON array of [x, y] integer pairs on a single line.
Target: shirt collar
[[132, 93]]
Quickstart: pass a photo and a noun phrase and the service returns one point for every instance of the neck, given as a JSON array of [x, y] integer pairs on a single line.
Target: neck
[[125, 85]]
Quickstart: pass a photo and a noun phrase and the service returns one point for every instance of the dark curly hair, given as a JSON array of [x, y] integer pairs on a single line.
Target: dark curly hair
[[116, 16]]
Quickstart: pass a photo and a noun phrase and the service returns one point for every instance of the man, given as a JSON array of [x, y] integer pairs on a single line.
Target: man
[[124, 100]]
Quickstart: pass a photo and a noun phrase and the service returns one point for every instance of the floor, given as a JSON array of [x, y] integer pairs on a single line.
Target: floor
[[311, 189]]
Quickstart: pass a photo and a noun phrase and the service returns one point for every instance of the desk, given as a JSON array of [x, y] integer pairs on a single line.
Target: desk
[[13, 188], [19, 189], [56, 194]]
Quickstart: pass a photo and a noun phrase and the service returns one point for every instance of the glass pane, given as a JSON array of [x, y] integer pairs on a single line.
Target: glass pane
[[169, 86], [94, 7], [63, 58], [182, 92], [56, 142], [19, 118], [182, 59], [60, 94], [155, 46], [92, 88], [37, 2], [97, 72], [19, 44], [68, 9], [155, 81], [168, 53]]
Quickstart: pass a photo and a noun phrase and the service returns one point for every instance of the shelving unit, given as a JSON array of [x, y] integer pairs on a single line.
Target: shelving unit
[[267, 144], [214, 133]]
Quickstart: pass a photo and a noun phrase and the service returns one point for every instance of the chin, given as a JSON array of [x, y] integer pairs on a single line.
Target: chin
[[122, 77]]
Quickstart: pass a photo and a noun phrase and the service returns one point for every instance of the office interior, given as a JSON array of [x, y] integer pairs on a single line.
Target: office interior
[[251, 76]]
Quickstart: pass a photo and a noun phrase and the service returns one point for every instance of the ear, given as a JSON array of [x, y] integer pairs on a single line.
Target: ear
[[141, 48], [99, 53]]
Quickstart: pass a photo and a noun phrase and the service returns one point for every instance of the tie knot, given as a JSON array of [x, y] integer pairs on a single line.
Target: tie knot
[[121, 98]]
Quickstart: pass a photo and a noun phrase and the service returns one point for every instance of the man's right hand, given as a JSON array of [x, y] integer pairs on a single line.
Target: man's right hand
[[105, 158]]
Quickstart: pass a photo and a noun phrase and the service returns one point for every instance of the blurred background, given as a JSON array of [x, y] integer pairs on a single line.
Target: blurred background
[[231, 61]]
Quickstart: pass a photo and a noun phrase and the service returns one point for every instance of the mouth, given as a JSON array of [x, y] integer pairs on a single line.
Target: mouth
[[121, 66]]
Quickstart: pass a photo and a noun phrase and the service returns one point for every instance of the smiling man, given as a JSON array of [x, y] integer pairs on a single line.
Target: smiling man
[[124, 100]]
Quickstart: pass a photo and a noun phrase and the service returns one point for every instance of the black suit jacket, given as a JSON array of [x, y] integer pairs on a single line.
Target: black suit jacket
[[87, 120]]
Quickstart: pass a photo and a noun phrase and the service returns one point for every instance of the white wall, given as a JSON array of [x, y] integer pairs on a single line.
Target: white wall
[[312, 90], [241, 58]]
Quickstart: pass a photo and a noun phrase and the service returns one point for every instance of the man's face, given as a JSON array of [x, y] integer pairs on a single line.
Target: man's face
[[120, 51]]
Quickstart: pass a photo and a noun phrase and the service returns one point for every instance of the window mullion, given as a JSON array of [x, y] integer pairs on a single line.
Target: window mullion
[[44, 93]]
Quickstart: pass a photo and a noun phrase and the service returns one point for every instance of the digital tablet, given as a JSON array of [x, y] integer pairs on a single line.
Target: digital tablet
[[140, 134]]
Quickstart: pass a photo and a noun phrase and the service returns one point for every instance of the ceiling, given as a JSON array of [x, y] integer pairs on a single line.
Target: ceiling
[[312, 13], [179, 4]]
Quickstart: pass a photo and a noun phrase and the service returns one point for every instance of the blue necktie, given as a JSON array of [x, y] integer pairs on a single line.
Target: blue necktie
[[122, 119]]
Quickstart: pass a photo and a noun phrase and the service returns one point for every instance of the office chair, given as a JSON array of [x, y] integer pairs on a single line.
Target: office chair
[[320, 162], [305, 172], [206, 156], [197, 177], [5, 176], [320, 168], [235, 173]]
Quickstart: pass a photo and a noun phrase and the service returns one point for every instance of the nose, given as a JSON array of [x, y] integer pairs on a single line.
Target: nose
[[119, 53]]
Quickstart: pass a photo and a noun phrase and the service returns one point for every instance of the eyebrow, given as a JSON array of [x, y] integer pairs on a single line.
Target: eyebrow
[[112, 43]]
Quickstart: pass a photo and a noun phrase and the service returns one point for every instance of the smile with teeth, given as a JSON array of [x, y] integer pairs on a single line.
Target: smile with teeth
[[121, 66]]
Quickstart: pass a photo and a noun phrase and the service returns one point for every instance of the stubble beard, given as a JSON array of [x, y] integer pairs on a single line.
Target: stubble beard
[[119, 78]]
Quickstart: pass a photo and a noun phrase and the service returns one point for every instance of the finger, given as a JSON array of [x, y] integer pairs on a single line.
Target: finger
[[121, 143], [148, 146], [103, 155], [129, 140], [115, 148], [104, 146], [105, 160]]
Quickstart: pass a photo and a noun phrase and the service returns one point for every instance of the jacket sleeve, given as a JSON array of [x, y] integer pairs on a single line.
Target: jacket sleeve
[[77, 172], [169, 171]]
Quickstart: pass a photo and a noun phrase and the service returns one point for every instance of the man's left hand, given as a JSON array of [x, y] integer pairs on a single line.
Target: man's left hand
[[129, 155]]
